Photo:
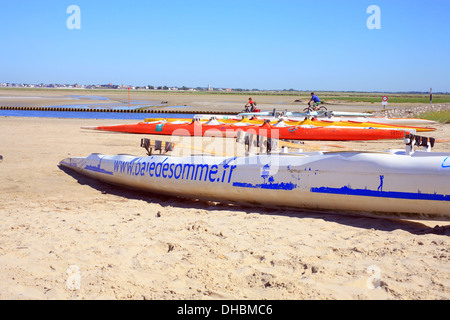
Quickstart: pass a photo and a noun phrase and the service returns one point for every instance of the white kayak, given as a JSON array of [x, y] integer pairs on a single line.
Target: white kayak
[[307, 114], [217, 116], [383, 120], [383, 184], [330, 113]]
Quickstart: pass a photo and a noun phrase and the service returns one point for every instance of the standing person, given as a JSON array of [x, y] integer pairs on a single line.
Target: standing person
[[250, 104], [314, 99]]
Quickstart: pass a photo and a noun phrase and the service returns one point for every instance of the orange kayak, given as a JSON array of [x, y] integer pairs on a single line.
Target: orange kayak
[[196, 128]]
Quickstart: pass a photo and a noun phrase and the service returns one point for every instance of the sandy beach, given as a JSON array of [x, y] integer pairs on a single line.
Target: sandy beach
[[250, 225], [68, 237]]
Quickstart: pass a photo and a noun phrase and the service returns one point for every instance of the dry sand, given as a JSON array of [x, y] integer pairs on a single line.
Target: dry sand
[[132, 245]]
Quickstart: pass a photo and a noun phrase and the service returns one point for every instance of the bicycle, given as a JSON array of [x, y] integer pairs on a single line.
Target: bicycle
[[248, 109], [316, 108]]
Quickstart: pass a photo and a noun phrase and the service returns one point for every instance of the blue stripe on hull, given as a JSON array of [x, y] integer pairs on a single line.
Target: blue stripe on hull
[[382, 194], [97, 169]]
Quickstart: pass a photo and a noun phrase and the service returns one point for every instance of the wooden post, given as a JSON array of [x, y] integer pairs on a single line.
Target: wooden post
[[129, 106]]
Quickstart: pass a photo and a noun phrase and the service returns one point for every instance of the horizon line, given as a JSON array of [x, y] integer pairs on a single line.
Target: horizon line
[[60, 86]]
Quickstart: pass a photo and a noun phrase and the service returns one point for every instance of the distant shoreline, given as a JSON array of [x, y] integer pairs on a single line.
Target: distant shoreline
[[232, 92]]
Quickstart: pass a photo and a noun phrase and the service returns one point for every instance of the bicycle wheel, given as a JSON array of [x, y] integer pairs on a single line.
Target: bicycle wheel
[[323, 109]]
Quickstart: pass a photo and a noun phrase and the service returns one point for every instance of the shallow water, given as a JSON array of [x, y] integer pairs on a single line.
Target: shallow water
[[90, 115], [78, 97]]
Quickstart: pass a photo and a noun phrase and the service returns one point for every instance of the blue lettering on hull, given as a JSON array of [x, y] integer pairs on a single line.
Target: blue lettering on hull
[[178, 171]]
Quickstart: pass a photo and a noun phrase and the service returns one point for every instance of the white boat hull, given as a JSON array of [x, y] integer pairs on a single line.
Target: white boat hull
[[373, 184], [383, 120], [308, 114]]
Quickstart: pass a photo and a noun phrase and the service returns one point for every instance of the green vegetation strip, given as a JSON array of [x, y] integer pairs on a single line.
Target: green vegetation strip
[[439, 116], [392, 99]]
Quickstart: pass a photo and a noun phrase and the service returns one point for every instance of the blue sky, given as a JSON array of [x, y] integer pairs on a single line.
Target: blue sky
[[264, 44]]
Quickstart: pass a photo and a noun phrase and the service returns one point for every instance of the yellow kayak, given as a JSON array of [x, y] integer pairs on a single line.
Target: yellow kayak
[[306, 122], [362, 124]]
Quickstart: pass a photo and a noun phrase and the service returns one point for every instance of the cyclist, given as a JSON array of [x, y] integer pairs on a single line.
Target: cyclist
[[315, 99], [250, 104]]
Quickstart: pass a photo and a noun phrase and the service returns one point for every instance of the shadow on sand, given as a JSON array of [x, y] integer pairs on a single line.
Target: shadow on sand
[[353, 220]]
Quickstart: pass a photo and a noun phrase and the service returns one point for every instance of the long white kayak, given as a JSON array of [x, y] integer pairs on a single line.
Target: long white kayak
[[383, 120], [331, 113], [383, 184], [308, 114]]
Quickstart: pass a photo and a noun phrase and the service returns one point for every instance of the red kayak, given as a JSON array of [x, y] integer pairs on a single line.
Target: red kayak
[[196, 128]]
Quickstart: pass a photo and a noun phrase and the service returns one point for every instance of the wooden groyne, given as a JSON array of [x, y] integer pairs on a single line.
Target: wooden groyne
[[69, 109]]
